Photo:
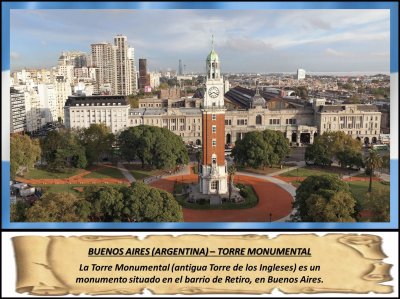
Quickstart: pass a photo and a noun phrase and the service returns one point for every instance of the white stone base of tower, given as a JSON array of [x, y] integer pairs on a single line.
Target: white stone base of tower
[[213, 180]]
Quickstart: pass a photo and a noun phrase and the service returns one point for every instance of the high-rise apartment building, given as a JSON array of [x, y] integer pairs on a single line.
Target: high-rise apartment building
[[74, 58], [62, 91], [48, 102], [133, 84], [180, 69], [17, 111], [104, 60], [144, 78], [115, 66], [122, 68]]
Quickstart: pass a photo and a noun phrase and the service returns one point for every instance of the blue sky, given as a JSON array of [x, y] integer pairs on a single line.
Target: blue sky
[[246, 40]]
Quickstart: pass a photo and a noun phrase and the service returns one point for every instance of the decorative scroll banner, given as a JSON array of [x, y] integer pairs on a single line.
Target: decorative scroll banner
[[200, 264]]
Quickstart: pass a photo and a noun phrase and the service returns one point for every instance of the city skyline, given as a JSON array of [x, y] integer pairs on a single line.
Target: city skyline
[[250, 40]]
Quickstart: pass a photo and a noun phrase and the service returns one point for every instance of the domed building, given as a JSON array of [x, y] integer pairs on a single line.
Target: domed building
[[257, 100]]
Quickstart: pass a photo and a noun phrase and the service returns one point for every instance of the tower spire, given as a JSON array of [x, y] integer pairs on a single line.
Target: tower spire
[[212, 41], [257, 91]]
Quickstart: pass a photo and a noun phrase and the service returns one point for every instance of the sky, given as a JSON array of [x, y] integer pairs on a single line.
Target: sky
[[256, 41]]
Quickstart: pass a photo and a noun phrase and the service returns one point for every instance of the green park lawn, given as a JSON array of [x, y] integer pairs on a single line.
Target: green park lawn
[[39, 173], [360, 189], [264, 170], [105, 172], [307, 171], [140, 173]]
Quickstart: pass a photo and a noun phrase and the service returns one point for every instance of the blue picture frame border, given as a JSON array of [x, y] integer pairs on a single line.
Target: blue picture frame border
[[5, 166]]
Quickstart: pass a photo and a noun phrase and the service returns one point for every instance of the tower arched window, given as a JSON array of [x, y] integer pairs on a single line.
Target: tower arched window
[[258, 120]]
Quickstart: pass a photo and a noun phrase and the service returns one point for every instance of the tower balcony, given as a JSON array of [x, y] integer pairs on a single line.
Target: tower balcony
[[211, 108]]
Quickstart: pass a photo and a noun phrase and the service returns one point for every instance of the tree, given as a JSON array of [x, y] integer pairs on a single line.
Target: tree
[[54, 207], [280, 146], [231, 173], [24, 152], [379, 203], [330, 146], [324, 198], [339, 208], [97, 140], [198, 158], [350, 158], [62, 151], [157, 147], [137, 203], [146, 204], [373, 161], [260, 149], [302, 92], [106, 203], [252, 150], [18, 211], [317, 154]]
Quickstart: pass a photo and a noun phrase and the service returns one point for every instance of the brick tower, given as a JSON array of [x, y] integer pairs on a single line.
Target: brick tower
[[213, 174]]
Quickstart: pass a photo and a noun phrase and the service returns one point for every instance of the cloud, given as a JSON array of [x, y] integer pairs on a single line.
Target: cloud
[[246, 40], [14, 55], [333, 52], [246, 44]]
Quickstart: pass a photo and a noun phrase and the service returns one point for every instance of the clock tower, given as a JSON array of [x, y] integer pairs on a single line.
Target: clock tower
[[213, 171]]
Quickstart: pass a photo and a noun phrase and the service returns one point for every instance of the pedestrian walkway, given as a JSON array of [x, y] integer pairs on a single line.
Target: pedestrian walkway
[[282, 184], [277, 173], [126, 172]]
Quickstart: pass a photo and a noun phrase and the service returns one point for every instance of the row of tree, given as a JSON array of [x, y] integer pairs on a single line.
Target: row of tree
[[260, 149], [154, 146], [136, 203], [65, 149], [335, 146]]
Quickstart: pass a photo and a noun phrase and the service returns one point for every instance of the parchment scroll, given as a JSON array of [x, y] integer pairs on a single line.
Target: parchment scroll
[[211, 264]]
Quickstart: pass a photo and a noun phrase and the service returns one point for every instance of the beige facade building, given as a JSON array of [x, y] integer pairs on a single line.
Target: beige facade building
[[62, 90], [360, 121], [299, 123], [82, 111]]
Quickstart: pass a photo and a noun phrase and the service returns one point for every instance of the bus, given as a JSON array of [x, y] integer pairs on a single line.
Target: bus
[[380, 147]]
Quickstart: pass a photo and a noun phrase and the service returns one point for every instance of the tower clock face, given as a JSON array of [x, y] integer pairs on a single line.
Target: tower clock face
[[213, 92]]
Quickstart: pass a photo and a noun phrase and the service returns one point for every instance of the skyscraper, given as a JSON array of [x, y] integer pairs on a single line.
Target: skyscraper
[[122, 65], [17, 111], [132, 86], [180, 70], [144, 78], [104, 59], [115, 66]]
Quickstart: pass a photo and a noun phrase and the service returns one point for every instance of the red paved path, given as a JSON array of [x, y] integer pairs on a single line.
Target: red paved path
[[272, 199], [350, 179]]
